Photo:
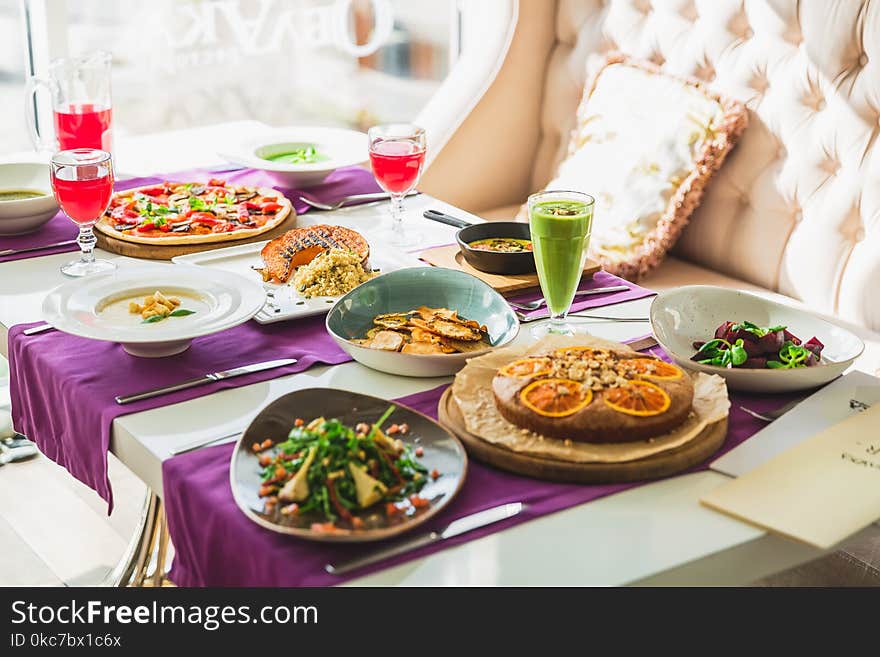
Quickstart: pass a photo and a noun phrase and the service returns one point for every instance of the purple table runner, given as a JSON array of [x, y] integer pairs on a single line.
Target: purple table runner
[[599, 279], [63, 387], [202, 515], [340, 183]]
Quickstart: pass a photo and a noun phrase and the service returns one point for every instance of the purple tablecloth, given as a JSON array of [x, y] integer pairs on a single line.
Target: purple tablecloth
[[599, 279], [217, 545], [340, 183], [58, 229], [63, 387]]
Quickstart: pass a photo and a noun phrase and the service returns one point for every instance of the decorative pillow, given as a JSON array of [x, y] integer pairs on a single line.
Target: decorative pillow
[[645, 146]]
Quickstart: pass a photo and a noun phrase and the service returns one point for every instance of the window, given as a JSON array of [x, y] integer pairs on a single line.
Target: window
[[182, 63]]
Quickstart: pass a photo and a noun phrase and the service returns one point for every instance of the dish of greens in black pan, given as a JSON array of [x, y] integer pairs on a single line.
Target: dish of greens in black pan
[[747, 345]]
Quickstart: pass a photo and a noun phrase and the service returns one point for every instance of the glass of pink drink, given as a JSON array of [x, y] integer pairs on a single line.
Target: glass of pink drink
[[82, 180], [397, 155], [81, 110]]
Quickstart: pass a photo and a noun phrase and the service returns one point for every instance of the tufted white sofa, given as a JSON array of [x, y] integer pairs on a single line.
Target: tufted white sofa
[[795, 210]]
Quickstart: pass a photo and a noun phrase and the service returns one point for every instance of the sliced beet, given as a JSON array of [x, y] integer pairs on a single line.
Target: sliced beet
[[698, 344], [758, 362], [722, 330], [772, 342], [742, 334], [791, 336]]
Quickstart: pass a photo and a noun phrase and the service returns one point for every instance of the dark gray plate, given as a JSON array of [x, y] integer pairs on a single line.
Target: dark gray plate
[[442, 451]]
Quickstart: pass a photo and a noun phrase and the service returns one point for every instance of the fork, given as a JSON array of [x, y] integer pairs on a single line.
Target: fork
[[354, 198], [525, 319], [534, 305]]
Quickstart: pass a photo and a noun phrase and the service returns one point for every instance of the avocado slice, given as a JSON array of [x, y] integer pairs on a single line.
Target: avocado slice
[[297, 489], [369, 489]]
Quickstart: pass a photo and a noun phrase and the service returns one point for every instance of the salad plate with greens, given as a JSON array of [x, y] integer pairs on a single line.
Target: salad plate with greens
[[333, 465], [755, 343]]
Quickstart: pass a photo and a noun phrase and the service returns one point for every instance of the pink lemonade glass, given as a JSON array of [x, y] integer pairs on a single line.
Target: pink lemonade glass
[[397, 155], [82, 179], [80, 91]]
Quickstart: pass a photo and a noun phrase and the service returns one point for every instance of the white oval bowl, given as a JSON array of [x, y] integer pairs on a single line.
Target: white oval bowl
[[74, 307], [682, 315], [29, 214], [342, 147]]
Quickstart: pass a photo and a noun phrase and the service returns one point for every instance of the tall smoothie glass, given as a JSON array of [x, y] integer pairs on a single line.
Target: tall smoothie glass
[[560, 222]]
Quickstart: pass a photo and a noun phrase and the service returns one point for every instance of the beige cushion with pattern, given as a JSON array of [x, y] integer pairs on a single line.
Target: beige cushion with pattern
[[645, 145]]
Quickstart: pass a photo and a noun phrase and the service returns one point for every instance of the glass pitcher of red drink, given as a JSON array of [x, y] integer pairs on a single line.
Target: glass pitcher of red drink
[[81, 110]]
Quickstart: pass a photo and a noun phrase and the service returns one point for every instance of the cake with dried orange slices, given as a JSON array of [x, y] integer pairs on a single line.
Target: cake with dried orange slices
[[593, 395]]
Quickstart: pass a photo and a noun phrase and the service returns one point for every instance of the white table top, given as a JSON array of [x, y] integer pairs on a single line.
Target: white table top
[[656, 533]]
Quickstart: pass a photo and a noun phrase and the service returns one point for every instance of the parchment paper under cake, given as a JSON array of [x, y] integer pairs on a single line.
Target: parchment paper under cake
[[472, 391]]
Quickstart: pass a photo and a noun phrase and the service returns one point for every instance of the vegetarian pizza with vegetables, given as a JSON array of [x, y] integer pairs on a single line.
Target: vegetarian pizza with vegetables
[[175, 213]]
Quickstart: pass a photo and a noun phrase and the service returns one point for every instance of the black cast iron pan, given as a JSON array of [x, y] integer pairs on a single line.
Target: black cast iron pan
[[491, 262]]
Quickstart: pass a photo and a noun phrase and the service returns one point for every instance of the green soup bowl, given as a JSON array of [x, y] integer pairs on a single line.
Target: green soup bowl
[[406, 289]]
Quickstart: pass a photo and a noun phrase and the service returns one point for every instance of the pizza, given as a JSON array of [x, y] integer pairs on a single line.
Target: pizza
[[174, 213]]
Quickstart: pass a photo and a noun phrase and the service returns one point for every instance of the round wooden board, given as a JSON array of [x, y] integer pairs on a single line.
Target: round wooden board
[[166, 252], [667, 463]]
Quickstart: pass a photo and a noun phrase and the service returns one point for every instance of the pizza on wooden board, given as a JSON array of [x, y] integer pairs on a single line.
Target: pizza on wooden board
[[175, 213]]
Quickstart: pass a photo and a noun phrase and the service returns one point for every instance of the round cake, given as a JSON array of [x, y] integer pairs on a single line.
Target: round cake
[[593, 395]]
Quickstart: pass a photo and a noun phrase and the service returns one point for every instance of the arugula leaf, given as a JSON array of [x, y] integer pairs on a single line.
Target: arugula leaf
[[196, 203], [738, 354], [153, 319], [182, 312]]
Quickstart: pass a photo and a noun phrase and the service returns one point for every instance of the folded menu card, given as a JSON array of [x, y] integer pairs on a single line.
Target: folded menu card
[[821, 410], [819, 492]]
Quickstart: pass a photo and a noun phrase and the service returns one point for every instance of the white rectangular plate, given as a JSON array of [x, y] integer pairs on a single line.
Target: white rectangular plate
[[283, 303]]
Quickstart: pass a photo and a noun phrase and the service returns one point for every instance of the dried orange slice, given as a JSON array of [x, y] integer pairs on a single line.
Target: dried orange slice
[[533, 366], [638, 398], [653, 369], [555, 397]]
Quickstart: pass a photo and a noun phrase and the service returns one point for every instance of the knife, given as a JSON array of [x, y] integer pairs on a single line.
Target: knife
[[8, 252], [203, 380], [456, 527]]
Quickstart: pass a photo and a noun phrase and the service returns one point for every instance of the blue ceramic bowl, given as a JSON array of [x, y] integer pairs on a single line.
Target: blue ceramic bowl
[[405, 289]]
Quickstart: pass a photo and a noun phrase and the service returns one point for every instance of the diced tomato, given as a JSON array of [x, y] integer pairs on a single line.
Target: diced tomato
[[250, 205], [123, 215], [419, 451], [153, 191], [216, 182], [392, 509], [270, 207], [418, 502], [298, 422], [146, 228], [205, 218], [265, 460], [435, 474], [357, 523], [325, 527], [165, 228]]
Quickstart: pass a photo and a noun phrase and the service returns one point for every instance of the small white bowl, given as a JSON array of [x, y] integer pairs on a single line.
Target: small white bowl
[[686, 314], [29, 214], [336, 146]]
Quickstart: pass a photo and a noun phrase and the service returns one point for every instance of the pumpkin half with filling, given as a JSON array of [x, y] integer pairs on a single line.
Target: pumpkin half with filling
[[593, 395]]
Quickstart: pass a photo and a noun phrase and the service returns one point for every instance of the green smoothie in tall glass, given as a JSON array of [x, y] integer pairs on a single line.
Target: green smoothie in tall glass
[[560, 223]]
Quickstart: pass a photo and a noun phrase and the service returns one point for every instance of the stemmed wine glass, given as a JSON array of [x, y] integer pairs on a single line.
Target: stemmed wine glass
[[560, 222], [397, 154], [82, 179]]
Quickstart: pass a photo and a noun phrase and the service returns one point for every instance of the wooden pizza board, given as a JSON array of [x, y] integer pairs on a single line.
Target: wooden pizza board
[[662, 465], [166, 252], [451, 258]]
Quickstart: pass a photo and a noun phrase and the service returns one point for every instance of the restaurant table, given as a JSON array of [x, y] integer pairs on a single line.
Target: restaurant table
[[657, 533]]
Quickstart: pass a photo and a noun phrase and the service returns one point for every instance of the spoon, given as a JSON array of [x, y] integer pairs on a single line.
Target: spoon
[[355, 198]]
